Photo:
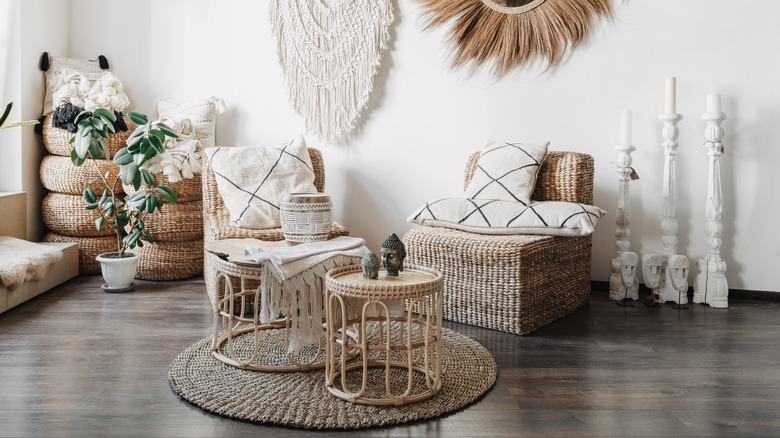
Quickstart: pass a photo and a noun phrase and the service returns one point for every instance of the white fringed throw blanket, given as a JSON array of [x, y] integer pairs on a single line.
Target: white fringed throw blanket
[[22, 261], [294, 277], [329, 53]]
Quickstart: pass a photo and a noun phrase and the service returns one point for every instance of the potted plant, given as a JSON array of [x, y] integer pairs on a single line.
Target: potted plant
[[123, 213]]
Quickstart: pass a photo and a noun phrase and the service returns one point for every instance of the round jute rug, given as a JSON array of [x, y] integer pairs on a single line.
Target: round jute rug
[[300, 399]]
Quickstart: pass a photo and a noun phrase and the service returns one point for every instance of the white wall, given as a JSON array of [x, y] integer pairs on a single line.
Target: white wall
[[424, 119], [33, 27]]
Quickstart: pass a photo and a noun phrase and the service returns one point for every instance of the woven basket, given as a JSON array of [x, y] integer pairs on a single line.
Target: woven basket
[[89, 248], [177, 222], [59, 175], [65, 214], [57, 140], [187, 190], [170, 260]]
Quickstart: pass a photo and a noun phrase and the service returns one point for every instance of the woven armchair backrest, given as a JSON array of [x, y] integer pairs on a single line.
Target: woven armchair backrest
[[213, 203], [564, 176]]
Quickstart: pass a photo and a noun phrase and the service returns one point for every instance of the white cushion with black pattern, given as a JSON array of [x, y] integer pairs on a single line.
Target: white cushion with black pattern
[[490, 216], [253, 179], [507, 171]]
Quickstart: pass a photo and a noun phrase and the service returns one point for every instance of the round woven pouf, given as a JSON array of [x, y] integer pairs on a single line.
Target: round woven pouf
[[300, 399]]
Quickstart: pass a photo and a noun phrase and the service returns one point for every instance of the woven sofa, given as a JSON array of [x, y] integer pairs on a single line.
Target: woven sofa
[[216, 221], [514, 283]]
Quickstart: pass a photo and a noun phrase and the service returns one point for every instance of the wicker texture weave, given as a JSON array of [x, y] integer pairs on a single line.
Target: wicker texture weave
[[177, 222], [516, 283], [170, 260], [216, 220], [65, 214], [57, 140], [89, 248], [58, 174]]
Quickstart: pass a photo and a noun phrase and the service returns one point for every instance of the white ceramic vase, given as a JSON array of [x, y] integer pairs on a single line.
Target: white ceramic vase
[[118, 272]]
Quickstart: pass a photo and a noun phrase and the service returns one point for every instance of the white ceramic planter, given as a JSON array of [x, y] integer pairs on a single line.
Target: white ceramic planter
[[118, 272]]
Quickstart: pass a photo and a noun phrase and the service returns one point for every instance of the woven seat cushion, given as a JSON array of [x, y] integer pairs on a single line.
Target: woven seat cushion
[[552, 218]]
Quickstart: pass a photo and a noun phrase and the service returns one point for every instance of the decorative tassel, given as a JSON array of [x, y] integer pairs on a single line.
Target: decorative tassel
[[485, 31], [103, 62], [44, 64]]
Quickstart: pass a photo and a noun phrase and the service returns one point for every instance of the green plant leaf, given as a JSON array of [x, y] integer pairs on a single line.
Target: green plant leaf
[[147, 178], [138, 118], [167, 130], [106, 114], [151, 204], [123, 157], [7, 111], [138, 195], [167, 193], [75, 159], [99, 222], [91, 206], [128, 173], [157, 144], [89, 195]]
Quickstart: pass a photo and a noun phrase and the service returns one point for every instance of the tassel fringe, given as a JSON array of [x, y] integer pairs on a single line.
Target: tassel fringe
[[485, 31], [329, 56]]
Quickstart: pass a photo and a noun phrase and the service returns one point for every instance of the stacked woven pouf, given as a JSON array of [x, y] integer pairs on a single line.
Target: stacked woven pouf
[[178, 233], [63, 208]]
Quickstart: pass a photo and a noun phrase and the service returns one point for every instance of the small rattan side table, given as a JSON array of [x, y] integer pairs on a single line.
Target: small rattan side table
[[399, 327], [236, 314]]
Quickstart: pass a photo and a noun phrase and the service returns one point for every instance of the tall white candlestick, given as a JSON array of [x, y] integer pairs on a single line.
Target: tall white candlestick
[[670, 102], [713, 103], [625, 127]]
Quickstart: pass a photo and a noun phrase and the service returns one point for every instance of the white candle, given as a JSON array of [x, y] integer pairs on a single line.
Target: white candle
[[670, 103], [713, 103], [625, 127]]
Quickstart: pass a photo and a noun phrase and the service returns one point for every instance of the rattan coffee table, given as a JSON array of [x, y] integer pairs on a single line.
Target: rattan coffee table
[[237, 314], [403, 315]]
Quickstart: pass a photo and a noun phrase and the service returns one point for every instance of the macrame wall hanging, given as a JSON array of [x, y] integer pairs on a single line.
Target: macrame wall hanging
[[330, 51], [511, 33]]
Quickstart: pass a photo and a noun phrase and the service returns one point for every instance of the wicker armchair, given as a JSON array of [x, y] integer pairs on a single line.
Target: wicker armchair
[[216, 220], [514, 283]]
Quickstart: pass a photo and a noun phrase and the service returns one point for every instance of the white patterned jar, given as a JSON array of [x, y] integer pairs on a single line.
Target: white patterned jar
[[306, 217]]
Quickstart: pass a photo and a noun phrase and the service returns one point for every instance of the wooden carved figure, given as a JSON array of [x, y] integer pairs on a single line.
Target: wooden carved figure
[[677, 270], [711, 286], [652, 267]]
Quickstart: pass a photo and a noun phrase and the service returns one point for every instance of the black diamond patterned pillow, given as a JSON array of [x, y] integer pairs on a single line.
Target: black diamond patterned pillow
[[507, 171], [253, 179], [489, 216]]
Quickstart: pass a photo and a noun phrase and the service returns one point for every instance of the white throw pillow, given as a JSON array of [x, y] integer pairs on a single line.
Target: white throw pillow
[[202, 112], [253, 179], [59, 65], [507, 171], [487, 216]]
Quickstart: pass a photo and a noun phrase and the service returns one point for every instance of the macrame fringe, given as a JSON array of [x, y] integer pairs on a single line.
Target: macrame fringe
[[329, 57], [483, 33], [304, 292]]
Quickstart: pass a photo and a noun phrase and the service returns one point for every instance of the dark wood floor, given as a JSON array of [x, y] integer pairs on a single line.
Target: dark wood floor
[[79, 362]]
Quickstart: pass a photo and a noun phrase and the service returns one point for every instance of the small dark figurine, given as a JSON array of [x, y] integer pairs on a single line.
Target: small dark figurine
[[393, 255], [370, 265]]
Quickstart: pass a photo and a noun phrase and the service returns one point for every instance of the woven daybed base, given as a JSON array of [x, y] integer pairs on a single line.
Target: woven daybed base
[[89, 248], [57, 140], [514, 284], [65, 214], [170, 260], [58, 174]]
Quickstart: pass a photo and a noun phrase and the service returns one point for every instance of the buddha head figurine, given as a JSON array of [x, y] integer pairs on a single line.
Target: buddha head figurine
[[393, 255], [370, 265]]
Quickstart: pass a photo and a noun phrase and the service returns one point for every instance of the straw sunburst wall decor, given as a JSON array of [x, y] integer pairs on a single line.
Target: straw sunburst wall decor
[[511, 33]]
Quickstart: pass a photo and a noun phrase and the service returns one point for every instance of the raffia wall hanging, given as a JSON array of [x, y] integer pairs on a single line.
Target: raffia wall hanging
[[330, 52], [511, 33]]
